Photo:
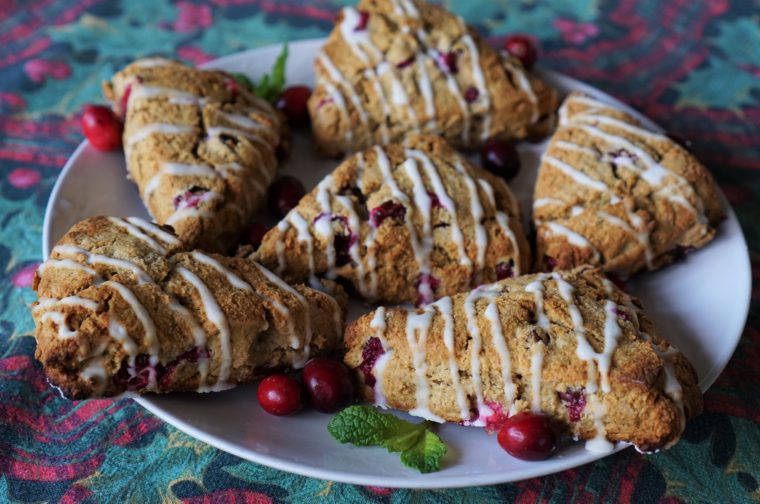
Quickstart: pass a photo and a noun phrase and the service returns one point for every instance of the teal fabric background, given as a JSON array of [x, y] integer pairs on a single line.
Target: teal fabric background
[[692, 66]]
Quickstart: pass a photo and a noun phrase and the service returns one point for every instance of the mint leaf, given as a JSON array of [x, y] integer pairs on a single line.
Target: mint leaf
[[271, 85], [366, 426], [243, 80], [426, 454]]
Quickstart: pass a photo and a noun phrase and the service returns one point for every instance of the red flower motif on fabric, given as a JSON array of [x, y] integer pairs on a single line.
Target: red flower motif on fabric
[[24, 276], [24, 178], [574, 32], [38, 69]]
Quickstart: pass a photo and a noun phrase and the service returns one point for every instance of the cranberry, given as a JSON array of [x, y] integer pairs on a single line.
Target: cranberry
[[255, 233], [328, 383], [448, 62], [293, 103], [371, 351], [504, 270], [284, 195], [496, 420], [407, 62], [679, 139], [500, 157], [190, 198], [363, 19], [434, 201], [529, 436], [165, 373], [522, 48], [388, 209], [101, 127], [426, 285], [137, 377], [280, 394], [575, 402], [125, 100], [471, 94], [550, 262]]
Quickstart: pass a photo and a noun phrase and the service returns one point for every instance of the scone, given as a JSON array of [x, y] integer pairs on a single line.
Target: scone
[[124, 306], [201, 148], [568, 344], [614, 194], [394, 67], [402, 223]]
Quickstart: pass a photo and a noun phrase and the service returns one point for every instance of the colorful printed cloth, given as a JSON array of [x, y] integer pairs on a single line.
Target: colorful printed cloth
[[692, 66]]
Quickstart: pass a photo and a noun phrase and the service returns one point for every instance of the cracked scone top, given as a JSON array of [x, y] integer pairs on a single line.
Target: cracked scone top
[[201, 149], [569, 344], [612, 193], [124, 306], [394, 67], [402, 223]]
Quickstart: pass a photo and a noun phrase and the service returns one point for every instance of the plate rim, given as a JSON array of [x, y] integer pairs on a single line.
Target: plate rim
[[416, 481]]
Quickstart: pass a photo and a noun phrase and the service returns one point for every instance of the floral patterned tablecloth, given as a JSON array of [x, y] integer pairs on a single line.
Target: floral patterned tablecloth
[[693, 66]]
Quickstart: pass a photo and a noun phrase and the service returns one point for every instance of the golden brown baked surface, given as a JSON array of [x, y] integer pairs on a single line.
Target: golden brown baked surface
[[200, 148], [124, 306], [613, 194], [402, 223], [569, 344], [394, 67]]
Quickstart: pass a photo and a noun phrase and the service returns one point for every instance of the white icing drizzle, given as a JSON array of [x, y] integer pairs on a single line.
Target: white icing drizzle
[[301, 226], [446, 309], [231, 277], [135, 231], [476, 346], [149, 227], [427, 94], [216, 131], [573, 238], [337, 76], [175, 96], [59, 318], [477, 73], [537, 356], [217, 317], [417, 327], [199, 335], [573, 147], [296, 343], [152, 62], [68, 264], [542, 202], [378, 370], [141, 276], [503, 220], [156, 128], [243, 121], [500, 343], [577, 175], [476, 209], [445, 200], [323, 225], [149, 328]]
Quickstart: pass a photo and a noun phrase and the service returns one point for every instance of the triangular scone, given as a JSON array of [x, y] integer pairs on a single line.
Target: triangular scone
[[200, 148], [614, 194], [568, 344], [403, 223], [394, 67], [123, 306]]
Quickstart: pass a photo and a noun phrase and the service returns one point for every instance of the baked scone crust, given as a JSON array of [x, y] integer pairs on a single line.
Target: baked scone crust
[[394, 67], [200, 147], [124, 306], [402, 223], [611, 193], [569, 344]]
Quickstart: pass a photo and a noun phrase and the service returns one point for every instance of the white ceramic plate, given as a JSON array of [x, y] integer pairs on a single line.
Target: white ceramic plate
[[700, 304]]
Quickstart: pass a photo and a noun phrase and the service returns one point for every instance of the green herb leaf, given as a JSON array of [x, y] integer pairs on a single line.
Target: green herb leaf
[[366, 426], [271, 85], [243, 80], [426, 454]]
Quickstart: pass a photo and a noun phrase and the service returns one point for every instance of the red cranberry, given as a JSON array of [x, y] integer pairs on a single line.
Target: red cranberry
[[255, 233], [529, 436], [575, 402], [293, 103], [471, 94], [280, 394], [550, 262], [190, 198], [426, 285], [328, 383], [434, 201], [363, 19], [284, 195], [504, 270], [407, 62], [448, 62], [371, 351], [101, 127], [388, 209], [500, 157], [522, 48]]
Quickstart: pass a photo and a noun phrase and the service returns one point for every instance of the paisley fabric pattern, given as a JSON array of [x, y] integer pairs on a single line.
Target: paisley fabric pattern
[[692, 66]]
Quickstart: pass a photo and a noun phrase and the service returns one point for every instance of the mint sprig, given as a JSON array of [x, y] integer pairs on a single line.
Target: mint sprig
[[420, 448], [272, 84]]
